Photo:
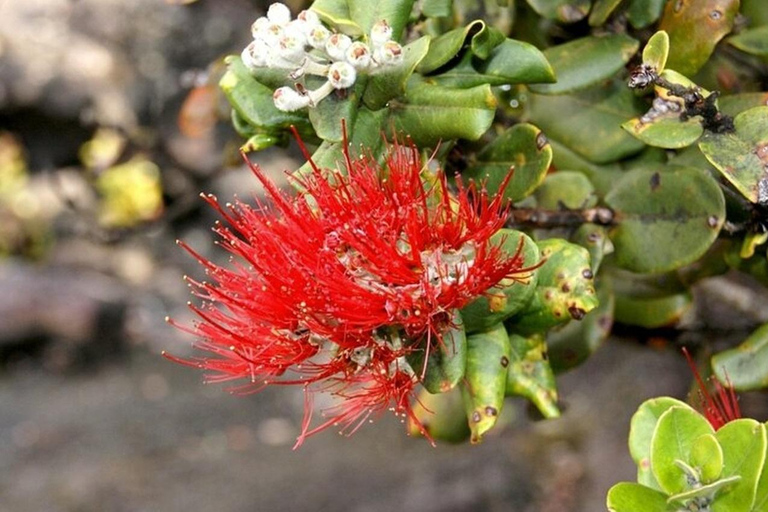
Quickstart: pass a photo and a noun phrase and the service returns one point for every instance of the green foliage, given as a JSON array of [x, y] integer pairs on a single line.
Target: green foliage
[[683, 464], [630, 180]]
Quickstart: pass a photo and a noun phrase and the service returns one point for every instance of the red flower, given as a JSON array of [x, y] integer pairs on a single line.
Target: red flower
[[335, 286], [721, 408]]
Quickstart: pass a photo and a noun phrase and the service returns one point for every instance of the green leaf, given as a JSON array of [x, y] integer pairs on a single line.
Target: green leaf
[[566, 189], [675, 433], [327, 115], [337, 14], [522, 147], [253, 101], [595, 239], [442, 416], [488, 356], [587, 61], [510, 295], [511, 62], [642, 13], [565, 290], [436, 8], [707, 458], [429, 113], [447, 359], [746, 366], [601, 10], [390, 82], [576, 341], [641, 430], [445, 48], [259, 142], [667, 131], [656, 51], [665, 219], [742, 156], [530, 374], [734, 104], [602, 109], [366, 13], [761, 495], [744, 450], [631, 497], [601, 176], [753, 41], [652, 312], [565, 11], [694, 29]]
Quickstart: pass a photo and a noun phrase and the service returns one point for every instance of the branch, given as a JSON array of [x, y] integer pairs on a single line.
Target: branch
[[550, 219]]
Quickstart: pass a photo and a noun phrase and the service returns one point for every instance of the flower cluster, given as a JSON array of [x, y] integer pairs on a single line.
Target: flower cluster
[[332, 289], [304, 46]]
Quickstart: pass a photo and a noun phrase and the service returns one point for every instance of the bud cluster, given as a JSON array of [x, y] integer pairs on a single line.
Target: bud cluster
[[304, 46]]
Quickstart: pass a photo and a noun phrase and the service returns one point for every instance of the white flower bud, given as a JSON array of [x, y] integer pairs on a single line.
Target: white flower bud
[[337, 45], [381, 32], [318, 36], [279, 13], [270, 33], [359, 55], [289, 100], [255, 55], [295, 29], [259, 26], [291, 48], [310, 18], [389, 54], [341, 75]]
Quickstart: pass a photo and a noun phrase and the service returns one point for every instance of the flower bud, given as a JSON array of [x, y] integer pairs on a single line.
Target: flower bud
[[270, 33], [279, 13], [359, 55], [389, 54], [337, 45], [310, 18], [255, 55], [291, 48], [259, 26], [381, 32], [341, 75], [318, 37], [288, 100]]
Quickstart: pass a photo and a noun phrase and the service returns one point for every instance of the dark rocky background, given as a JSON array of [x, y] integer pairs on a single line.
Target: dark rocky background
[[92, 418]]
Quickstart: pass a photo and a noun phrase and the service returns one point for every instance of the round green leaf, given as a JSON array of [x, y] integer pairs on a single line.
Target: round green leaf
[[744, 452], [631, 497], [602, 109], [586, 61], [641, 430], [742, 156], [523, 147], [601, 10], [429, 113], [707, 458], [665, 131], [564, 11], [569, 189], [488, 356], [530, 374], [510, 295], [652, 312], [694, 29], [656, 51], [665, 219], [441, 415], [675, 433], [565, 290], [746, 366], [641, 13], [576, 341], [753, 41], [447, 359]]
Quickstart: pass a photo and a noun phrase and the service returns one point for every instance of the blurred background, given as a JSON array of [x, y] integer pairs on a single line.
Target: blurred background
[[110, 127]]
